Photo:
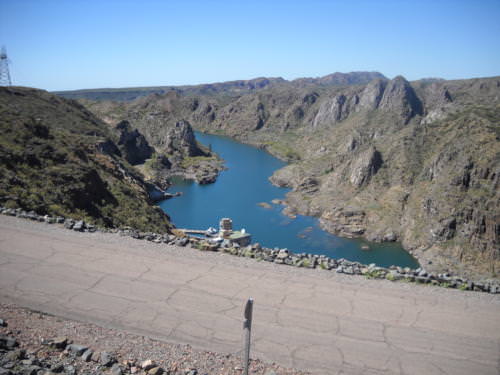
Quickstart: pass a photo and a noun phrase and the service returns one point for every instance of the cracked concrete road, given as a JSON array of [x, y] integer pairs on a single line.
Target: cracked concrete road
[[308, 319]]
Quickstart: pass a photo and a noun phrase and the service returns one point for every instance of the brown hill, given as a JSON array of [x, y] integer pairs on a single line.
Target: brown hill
[[57, 158]]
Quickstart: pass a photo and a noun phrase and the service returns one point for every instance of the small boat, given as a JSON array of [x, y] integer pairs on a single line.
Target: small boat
[[211, 231], [216, 240]]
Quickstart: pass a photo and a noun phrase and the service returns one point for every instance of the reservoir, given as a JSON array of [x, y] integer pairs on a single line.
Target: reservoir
[[239, 190]]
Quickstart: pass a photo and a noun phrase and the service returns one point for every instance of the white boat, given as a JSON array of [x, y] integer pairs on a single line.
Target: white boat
[[211, 231]]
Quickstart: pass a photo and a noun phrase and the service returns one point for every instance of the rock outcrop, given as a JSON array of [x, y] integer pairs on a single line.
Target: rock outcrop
[[134, 146], [365, 166], [372, 95], [334, 110], [400, 99], [395, 96], [348, 222], [179, 139]]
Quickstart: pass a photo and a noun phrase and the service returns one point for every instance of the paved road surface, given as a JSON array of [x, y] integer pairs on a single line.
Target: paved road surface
[[308, 319]]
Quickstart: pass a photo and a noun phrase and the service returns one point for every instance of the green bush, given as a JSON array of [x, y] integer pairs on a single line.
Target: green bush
[[390, 277]]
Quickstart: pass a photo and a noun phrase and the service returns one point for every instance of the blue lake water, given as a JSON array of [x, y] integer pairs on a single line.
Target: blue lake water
[[236, 195]]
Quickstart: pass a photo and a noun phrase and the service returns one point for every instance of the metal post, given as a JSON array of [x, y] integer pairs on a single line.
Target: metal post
[[247, 327]]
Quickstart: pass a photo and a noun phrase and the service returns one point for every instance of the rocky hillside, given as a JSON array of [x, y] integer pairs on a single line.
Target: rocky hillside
[[391, 160], [57, 158], [162, 141], [418, 163]]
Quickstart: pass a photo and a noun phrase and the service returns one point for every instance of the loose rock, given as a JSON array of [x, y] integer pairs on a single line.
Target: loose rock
[[116, 369], [155, 371], [77, 349], [79, 226], [59, 342], [7, 342], [107, 359], [87, 355]]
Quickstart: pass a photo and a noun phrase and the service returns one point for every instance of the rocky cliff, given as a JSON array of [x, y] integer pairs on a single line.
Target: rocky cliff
[[57, 158], [160, 141], [417, 163], [134, 146]]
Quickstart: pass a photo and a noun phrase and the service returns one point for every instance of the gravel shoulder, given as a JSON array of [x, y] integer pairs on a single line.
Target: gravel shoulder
[[33, 328]]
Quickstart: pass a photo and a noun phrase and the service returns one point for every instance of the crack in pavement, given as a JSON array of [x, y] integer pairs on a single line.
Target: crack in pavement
[[148, 269]]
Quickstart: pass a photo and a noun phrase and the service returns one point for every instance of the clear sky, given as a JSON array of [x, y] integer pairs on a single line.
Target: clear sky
[[59, 44]]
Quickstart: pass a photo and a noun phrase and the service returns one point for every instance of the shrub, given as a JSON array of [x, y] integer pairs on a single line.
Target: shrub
[[390, 277]]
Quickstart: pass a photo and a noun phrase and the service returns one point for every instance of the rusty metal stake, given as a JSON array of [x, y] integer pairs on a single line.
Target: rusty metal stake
[[247, 327]]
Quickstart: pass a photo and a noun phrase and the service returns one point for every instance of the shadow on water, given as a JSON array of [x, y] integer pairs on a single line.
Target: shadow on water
[[237, 194]]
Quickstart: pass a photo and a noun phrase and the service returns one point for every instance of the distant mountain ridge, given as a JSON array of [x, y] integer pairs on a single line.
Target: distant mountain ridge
[[231, 88], [340, 79]]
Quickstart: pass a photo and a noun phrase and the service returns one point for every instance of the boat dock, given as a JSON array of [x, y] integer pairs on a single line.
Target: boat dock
[[192, 231], [226, 232]]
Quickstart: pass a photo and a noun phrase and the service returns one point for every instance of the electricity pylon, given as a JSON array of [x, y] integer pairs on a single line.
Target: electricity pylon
[[4, 69]]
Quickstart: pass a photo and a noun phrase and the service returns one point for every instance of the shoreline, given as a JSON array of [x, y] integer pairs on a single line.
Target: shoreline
[[430, 257], [291, 209]]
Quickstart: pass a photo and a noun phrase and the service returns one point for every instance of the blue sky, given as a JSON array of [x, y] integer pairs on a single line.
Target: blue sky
[[59, 45]]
